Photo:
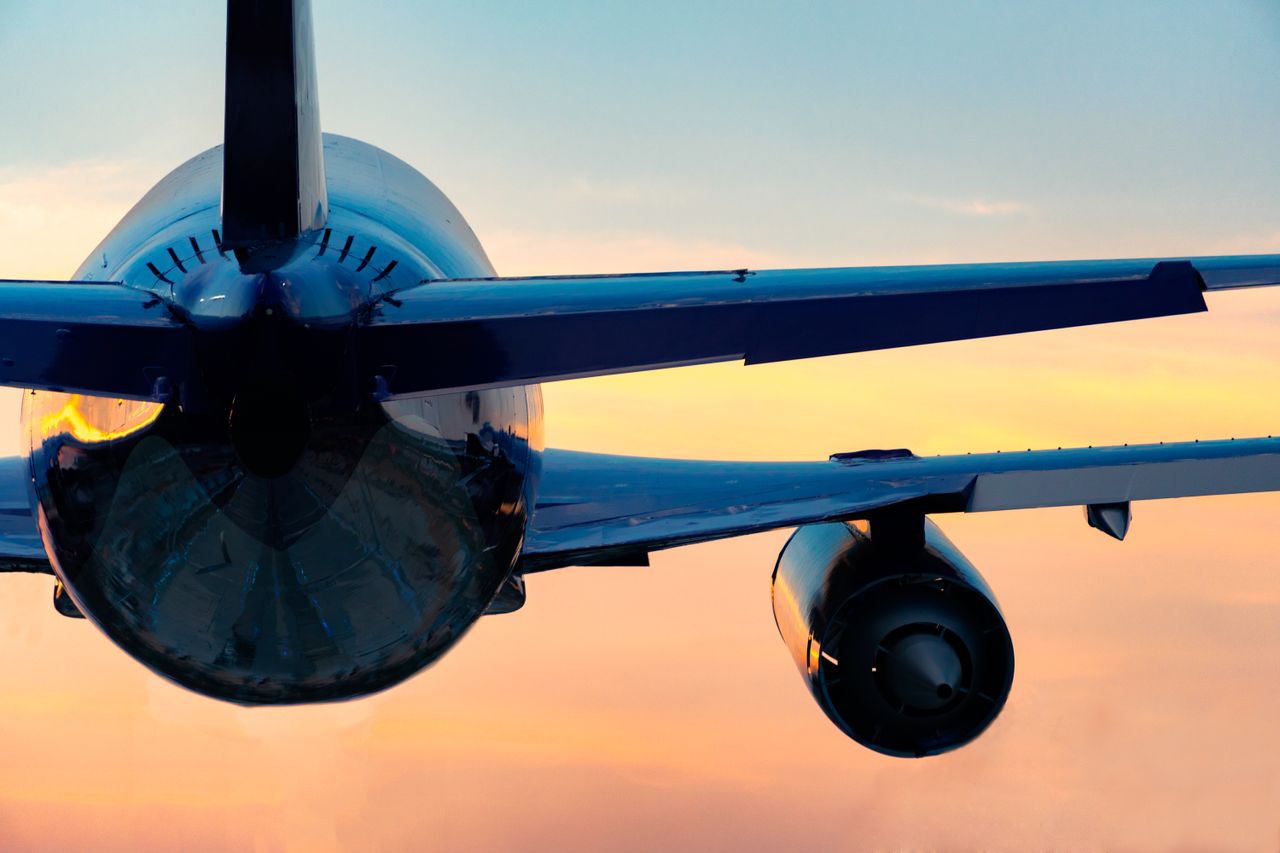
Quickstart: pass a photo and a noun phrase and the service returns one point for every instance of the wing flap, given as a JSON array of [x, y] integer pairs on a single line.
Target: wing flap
[[1119, 474], [593, 507], [453, 335]]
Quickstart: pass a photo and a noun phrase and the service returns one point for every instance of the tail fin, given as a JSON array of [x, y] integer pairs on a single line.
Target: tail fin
[[273, 188]]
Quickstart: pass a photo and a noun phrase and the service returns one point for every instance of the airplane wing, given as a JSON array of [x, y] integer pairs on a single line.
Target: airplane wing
[[90, 337], [20, 547], [598, 509], [461, 334]]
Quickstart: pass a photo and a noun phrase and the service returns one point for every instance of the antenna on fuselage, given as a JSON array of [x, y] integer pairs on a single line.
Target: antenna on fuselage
[[273, 184]]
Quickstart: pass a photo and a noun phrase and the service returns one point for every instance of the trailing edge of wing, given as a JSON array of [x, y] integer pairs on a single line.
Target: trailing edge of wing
[[89, 337], [489, 332], [595, 508]]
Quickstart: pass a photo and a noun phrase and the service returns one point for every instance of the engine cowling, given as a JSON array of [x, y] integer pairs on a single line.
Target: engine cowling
[[901, 642]]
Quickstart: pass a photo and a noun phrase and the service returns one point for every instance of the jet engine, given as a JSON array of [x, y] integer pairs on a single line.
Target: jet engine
[[897, 635]]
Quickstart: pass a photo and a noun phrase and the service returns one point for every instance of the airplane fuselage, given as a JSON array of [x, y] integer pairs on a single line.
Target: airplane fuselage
[[282, 528]]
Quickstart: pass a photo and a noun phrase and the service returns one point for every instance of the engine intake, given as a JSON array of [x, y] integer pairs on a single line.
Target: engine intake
[[900, 640]]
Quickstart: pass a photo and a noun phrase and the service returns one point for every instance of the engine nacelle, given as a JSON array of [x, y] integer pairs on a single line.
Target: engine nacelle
[[901, 642]]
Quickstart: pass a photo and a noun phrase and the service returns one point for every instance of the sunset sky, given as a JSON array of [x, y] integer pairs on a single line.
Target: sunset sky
[[656, 708]]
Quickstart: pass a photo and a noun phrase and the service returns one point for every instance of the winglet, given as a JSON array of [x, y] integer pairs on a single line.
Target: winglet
[[273, 184]]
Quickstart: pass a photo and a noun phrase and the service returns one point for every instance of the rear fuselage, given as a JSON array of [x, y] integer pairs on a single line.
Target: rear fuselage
[[282, 528]]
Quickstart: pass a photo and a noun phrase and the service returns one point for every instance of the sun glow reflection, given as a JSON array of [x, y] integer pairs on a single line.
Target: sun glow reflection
[[88, 419]]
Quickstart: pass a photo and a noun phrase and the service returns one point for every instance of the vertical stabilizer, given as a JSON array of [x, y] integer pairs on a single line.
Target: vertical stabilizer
[[273, 187]]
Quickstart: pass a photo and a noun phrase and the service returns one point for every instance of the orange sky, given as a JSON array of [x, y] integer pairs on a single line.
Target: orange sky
[[636, 708]]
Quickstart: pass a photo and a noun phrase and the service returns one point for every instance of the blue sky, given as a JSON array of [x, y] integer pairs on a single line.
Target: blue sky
[[814, 133]]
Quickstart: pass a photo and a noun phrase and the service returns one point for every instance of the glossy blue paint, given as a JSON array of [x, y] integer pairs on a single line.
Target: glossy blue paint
[[463, 334], [593, 507], [53, 335], [20, 547], [273, 188], [902, 644], [274, 531]]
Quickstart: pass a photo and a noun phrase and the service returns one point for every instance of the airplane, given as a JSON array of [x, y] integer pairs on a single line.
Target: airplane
[[284, 430]]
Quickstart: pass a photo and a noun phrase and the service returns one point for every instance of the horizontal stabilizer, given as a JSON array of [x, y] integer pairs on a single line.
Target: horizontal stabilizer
[[592, 507], [90, 338], [452, 335]]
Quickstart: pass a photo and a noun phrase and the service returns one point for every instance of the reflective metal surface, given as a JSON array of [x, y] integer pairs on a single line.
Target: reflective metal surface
[[53, 335], [362, 563], [277, 531], [375, 199], [594, 507], [899, 639], [273, 185], [558, 327], [20, 547]]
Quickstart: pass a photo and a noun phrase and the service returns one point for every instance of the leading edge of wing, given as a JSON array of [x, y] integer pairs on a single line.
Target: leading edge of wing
[[592, 507], [454, 335]]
